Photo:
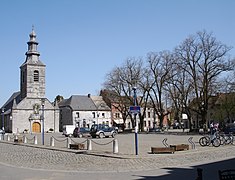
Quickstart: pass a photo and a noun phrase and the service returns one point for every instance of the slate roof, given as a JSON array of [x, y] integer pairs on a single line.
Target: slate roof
[[29, 61], [79, 103], [100, 103], [9, 103]]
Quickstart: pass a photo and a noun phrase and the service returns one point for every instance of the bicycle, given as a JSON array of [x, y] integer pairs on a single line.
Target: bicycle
[[212, 139], [230, 139]]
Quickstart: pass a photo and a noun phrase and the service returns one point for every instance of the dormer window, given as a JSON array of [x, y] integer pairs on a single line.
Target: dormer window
[[36, 76]]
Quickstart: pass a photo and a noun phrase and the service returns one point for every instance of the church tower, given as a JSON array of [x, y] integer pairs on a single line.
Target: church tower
[[32, 72]]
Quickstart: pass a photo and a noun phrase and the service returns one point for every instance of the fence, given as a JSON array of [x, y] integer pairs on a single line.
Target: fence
[[68, 141]]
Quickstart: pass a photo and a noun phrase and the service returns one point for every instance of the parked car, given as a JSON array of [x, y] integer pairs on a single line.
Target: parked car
[[102, 130], [155, 130], [81, 132], [2, 131], [68, 130], [229, 128]]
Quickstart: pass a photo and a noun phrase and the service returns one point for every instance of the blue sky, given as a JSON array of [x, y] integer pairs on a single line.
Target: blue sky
[[80, 41]]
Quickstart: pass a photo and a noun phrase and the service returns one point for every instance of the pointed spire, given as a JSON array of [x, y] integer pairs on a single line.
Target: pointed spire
[[32, 35]]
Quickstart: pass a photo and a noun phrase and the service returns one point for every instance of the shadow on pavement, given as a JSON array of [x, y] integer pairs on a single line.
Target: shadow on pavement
[[209, 171]]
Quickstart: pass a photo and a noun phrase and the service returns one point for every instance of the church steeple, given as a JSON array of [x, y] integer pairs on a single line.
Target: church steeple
[[32, 82], [32, 54]]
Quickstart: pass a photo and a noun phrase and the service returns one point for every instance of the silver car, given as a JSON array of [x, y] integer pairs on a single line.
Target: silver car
[[102, 130]]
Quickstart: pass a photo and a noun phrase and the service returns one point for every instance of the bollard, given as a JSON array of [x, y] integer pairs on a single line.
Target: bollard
[[115, 146], [8, 138], [52, 141], [35, 140], [16, 138], [89, 146], [25, 139], [68, 142], [3, 136]]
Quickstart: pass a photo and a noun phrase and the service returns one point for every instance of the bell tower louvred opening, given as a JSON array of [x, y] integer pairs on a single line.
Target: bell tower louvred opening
[[32, 83]]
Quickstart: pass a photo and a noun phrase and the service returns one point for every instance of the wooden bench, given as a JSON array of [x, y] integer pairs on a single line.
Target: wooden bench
[[157, 150], [228, 174], [180, 147], [78, 146]]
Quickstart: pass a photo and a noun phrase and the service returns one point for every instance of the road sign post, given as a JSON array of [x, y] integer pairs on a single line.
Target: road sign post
[[135, 110]]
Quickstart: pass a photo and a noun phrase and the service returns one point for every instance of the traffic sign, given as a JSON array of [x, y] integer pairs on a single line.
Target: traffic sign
[[134, 109]]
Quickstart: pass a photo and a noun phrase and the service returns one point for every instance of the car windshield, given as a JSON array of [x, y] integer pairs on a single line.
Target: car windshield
[[106, 127]]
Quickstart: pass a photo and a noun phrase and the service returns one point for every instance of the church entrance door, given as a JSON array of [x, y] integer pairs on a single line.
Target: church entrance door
[[36, 127]]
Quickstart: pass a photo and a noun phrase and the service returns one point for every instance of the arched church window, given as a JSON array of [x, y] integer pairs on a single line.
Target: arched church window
[[36, 76]]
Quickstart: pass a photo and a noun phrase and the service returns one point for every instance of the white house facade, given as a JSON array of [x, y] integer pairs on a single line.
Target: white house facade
[[83, 111]]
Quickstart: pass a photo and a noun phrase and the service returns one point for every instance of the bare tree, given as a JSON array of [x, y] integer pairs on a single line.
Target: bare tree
[[160, 65], [117, 92], [180, 89], [58, 99], [203, 58], [121, 80]]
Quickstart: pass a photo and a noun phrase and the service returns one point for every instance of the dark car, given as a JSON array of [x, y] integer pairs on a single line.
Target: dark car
[[154, 130], [229, 128], [102, 130], [81, 132]]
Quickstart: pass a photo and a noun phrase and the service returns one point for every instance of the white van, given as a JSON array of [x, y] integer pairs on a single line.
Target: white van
[[68, 130]]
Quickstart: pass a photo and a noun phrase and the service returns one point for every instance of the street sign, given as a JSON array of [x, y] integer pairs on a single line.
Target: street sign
[[134, 109]]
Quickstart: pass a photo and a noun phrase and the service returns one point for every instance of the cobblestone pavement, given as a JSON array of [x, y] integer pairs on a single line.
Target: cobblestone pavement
[[102, 159]]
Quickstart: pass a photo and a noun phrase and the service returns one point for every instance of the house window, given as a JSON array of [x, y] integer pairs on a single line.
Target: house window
[[78, 116], [36, 76], [148, 114], [117, 115], [93, 114], [103, 115]]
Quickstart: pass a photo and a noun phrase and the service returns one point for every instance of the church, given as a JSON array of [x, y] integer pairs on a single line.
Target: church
[[28, 110]]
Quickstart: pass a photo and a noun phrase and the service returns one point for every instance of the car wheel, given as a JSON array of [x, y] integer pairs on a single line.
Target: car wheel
[[80, 135], [114, 134], [101, 135]]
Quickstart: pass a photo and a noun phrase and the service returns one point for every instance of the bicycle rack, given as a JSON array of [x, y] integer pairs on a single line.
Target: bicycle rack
[[165, 143], [190, 140]]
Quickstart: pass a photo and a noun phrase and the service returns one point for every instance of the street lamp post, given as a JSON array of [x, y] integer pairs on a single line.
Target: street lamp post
[[3, 129], [136, 124], [43, 104]]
